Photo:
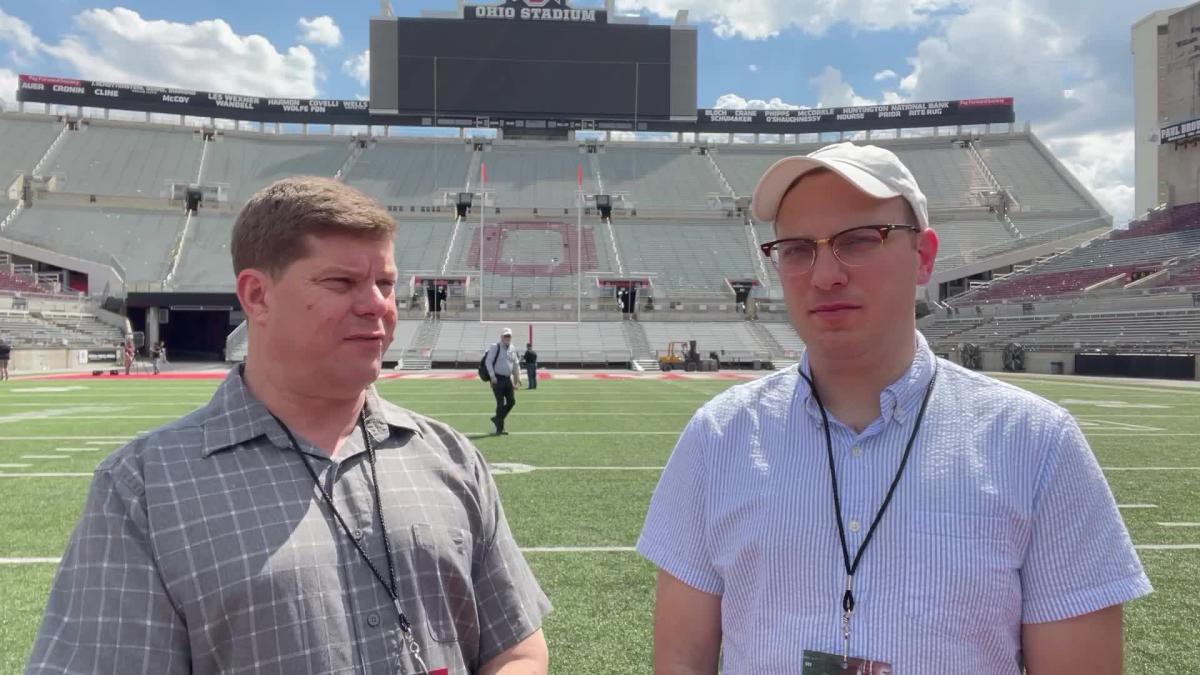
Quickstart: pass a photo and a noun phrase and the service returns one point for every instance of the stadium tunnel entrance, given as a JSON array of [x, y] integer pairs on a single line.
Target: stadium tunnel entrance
[[194, 326]]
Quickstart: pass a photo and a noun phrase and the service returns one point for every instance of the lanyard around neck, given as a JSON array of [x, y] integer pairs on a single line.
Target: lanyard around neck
[[851, 566]]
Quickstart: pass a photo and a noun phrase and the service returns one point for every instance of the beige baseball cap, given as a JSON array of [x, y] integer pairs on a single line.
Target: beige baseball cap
[[870, 168], [506, 332]]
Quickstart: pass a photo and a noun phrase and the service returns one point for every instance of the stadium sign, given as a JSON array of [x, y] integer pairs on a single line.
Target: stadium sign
[[898, 115], [1183, 131], [107, 95], [535, 10]]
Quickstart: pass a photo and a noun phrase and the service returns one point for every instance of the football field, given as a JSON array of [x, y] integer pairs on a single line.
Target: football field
[[576, 476]]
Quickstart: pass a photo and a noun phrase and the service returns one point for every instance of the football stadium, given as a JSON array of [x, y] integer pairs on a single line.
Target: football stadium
[[548, 170]]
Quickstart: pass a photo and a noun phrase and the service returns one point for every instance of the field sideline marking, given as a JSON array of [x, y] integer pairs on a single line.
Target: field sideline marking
[[45, 474], [1150, 468], [1137, 506], [498, 468], [1179, 524]]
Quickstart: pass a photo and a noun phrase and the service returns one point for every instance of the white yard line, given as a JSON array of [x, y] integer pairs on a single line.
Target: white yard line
[[579, 549], [598, 468], [1137, 506], [15, 466], [76, 449], [1150, 468], [52, 437], [1179, 524], [45, 475], [599, 549], [44, 456], [1167, 547]]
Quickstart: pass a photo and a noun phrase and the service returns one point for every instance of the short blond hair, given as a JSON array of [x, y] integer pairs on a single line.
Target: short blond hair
[[272, 230]]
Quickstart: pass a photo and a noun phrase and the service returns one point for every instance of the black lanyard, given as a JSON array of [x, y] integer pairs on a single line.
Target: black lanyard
[[390, 588], [852, 566]]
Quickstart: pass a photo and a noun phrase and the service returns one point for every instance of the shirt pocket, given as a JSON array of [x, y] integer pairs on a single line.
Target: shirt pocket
[[963, 578], [442, 564]]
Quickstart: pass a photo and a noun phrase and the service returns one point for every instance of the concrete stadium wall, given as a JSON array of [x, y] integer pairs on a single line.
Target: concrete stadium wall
[[26, 361]]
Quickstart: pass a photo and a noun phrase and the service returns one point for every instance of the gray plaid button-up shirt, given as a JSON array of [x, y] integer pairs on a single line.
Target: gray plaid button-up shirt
[[206, 547]]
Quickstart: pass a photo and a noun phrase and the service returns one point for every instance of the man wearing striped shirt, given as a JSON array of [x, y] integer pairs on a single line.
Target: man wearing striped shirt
[[876, 504]]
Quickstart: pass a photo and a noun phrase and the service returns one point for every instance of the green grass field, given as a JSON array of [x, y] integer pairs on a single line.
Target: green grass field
[[598, 447]]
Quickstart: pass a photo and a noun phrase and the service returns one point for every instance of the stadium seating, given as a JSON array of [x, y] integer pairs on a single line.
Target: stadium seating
[[1163, 221], [55, 329], [408, 172], [598, 342], [537, 177], [945, 328], [1030, 176], [1188, 275], [735, 341], [786, 336], [659, 178], [204, 261], [742, 167], [945, 172], [247, 162], [104, 158], [1045, 284], [690, 259], [11, 282], [24, 140], [1091, 263], [86, 328], [1122, 329], [531, 257], [140, 241], [1001, 330], [959, 234]]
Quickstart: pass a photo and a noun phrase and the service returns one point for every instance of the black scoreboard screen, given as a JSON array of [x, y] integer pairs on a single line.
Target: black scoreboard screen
[[557, 68]]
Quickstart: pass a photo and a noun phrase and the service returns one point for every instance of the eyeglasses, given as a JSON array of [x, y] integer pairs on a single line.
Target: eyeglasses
[[853, 247]]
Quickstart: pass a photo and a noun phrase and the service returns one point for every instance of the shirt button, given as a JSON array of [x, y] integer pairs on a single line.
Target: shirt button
[[358, 535], [372, 620], [854, 525], [856, 450]]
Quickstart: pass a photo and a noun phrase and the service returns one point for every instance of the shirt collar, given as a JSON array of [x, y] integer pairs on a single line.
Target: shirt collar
[[236, 416], [898, 400]]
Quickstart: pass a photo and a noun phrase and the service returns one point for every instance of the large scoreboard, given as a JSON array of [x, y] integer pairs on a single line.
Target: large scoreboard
[[533, 58]]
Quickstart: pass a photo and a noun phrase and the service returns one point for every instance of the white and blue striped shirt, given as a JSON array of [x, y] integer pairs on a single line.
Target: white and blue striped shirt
[[1002, 517]]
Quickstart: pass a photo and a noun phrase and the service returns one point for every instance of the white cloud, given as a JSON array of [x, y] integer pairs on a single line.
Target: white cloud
[[119, 45], [359, 67], [885, 75], [1103, 162], [834, 92], [15, 32], [735, 102], [753, 67], [8, 89], [1060, 76], [321, 31], [761, 19]]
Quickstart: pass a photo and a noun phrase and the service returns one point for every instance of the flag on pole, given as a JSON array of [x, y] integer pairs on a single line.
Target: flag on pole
[[579, 176], [483, 173]]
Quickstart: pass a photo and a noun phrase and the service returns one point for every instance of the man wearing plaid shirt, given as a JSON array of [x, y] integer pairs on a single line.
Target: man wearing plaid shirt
[[298, 523]]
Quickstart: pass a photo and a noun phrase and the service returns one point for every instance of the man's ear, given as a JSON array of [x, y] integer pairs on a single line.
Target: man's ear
[[927, 248], [253, 291]]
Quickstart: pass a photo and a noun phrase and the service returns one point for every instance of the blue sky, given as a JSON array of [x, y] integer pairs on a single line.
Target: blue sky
[[1067, 63]]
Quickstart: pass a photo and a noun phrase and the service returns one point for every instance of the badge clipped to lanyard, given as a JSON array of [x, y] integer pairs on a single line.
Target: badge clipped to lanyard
[[820, 663]]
